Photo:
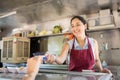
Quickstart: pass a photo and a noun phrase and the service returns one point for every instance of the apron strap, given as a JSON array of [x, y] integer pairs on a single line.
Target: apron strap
[[73, 43]]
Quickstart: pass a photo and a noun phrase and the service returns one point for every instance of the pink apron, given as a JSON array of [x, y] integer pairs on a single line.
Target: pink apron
[[81, 59]]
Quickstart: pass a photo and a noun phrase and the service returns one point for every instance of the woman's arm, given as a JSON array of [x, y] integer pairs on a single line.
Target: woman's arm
[[33, 65], [63, 55], [60, 58], [97, 59]]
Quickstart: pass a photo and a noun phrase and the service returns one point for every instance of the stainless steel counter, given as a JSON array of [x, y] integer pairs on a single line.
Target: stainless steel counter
[[11, 76], [59, 75]]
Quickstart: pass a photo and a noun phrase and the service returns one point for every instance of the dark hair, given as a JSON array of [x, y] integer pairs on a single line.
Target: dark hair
[[82, 20]]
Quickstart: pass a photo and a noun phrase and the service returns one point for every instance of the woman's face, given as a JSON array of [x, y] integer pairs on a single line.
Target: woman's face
[[77, 27]]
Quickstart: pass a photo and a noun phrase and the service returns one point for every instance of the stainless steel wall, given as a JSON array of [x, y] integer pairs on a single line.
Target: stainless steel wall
[[109, 45]]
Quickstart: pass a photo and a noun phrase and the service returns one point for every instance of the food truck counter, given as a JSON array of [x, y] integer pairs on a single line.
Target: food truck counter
[[59, 75]]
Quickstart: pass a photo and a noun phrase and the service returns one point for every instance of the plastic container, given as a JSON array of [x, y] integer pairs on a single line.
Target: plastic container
[[21, 70], [12, 69]]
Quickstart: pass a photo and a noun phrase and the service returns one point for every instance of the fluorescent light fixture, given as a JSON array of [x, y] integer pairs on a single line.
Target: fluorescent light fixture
[[7, 14]]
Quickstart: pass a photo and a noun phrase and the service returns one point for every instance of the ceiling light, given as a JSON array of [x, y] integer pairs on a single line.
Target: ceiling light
[[7, 14]]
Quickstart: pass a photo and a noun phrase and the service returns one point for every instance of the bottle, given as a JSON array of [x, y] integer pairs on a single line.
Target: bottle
[[104, 64], [36, 31]]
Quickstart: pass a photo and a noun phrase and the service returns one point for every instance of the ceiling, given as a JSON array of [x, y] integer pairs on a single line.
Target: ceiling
[[29, 11], [11, 4]]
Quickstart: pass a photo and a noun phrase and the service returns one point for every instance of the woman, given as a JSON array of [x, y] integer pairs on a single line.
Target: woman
[[83, 50]]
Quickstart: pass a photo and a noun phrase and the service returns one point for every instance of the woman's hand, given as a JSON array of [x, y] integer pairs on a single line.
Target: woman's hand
[[50, 58], [105, 70]]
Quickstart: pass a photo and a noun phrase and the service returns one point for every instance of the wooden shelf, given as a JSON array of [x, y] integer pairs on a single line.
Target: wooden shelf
[[91, 29], [59, 34]]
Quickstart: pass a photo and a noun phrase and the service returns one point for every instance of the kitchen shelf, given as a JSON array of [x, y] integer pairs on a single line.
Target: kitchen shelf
[[91, 29], [102, 27], [59, 34]]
